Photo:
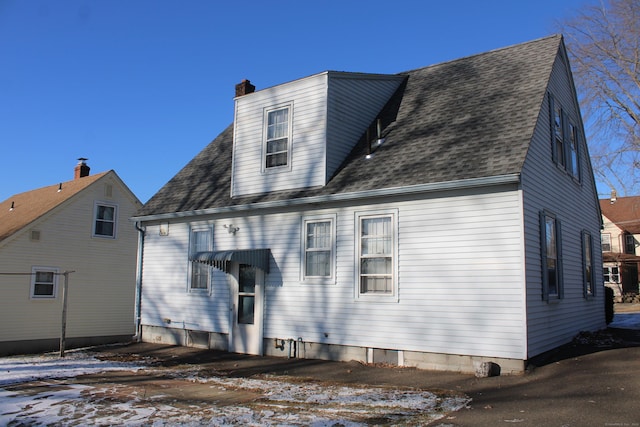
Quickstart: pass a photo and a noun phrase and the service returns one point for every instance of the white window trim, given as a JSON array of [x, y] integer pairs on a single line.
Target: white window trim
[[603, 237], [95, 219], [393, 296], [192, 229], [265, 124], [318, 280], [56, 273]]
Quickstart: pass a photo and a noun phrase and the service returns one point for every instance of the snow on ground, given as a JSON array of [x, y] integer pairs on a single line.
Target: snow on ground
[[40, 391], [626, 321]]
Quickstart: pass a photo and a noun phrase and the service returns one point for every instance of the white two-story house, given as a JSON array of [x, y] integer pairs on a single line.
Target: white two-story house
[[620, 241], [439, 218]]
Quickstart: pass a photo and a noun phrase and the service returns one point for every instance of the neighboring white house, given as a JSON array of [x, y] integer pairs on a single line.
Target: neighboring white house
[[82, 227], [620, 237], [439, 218]]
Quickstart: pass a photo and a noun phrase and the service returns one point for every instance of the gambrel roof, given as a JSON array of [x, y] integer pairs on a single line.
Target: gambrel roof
[[20, 210], [467, 119]]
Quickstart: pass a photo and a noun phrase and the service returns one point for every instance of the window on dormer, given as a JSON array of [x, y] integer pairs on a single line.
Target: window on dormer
[[278, 138]]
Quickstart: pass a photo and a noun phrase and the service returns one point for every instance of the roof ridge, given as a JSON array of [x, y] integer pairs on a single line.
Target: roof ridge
[[473, 55]]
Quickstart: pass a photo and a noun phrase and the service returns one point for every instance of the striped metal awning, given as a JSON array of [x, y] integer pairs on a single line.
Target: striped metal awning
[[221, 259]]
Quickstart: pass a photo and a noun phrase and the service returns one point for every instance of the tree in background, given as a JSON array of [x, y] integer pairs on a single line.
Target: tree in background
[[604, 44]]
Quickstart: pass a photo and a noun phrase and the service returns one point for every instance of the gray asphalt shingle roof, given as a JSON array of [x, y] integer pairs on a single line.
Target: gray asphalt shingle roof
[[473, 117]]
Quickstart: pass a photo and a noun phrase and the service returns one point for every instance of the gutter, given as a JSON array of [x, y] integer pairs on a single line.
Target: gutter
[[384, 192], [138, 297]]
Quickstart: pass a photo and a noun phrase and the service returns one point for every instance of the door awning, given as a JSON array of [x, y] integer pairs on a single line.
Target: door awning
[[221, 259]]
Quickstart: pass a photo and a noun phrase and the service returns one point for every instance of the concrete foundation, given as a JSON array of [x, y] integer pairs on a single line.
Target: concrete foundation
[[293, 348]]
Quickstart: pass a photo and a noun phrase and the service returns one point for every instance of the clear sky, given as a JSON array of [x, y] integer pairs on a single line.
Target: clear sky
[[142, 86]]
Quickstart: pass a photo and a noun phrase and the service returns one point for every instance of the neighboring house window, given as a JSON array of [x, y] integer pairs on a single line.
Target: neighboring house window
[[278, 137], [629, 244], [611, 274], [376, 254], [105, 220], [551, 256], [201, 241], [44, 282], [587, 262], [606, 242], [319, 247], [565, 139]]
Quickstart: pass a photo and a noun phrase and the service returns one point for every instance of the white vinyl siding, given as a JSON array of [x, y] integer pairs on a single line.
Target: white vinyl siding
[[328, 113], [574, 204], [436, 308]]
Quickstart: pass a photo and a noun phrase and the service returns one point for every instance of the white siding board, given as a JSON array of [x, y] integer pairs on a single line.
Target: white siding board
[[435, 284], [545, 186]]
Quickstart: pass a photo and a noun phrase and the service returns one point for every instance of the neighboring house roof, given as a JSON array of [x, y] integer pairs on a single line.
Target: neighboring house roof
[[624, 212], [460, 120], [31, 205]]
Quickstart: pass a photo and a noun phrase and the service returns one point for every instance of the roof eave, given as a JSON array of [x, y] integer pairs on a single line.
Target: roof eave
[[513, 178]]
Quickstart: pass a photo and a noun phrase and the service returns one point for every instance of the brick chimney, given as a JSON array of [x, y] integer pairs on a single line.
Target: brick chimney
[[81, 170], [244, 88]]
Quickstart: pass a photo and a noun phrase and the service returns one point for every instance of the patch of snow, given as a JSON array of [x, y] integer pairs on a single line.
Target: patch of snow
[[626, 321], [54, 401], [50, 365]]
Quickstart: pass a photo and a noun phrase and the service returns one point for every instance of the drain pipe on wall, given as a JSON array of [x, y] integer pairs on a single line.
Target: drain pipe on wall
[[138, 306]]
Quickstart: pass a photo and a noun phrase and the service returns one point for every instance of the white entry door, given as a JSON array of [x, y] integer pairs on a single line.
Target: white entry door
[[246, 309]]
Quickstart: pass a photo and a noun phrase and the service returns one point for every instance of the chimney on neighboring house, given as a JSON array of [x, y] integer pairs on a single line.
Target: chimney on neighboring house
[[244, 88], [81, 170], [614, 196]]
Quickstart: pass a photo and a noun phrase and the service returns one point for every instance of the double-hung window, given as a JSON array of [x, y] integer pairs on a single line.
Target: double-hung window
[[44, 282], [564, 139], [587, 265], [376, 255], [201, 241], [606, 242], [105, 216], [629, 244], [611, 274], [277, 148], [551, 257], [319, 248]]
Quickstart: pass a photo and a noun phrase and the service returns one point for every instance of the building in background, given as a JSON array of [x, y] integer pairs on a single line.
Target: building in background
[[80, 226], [620, 240]]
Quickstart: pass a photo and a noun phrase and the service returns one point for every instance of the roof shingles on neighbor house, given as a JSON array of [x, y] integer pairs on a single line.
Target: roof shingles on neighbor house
[[20, 210], [624, 212], [445, 123]]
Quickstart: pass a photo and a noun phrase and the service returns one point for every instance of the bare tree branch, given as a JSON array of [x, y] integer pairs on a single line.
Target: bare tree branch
[[604, 43]]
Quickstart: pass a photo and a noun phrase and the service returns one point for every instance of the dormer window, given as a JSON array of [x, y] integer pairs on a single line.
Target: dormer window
[[277, 137]]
